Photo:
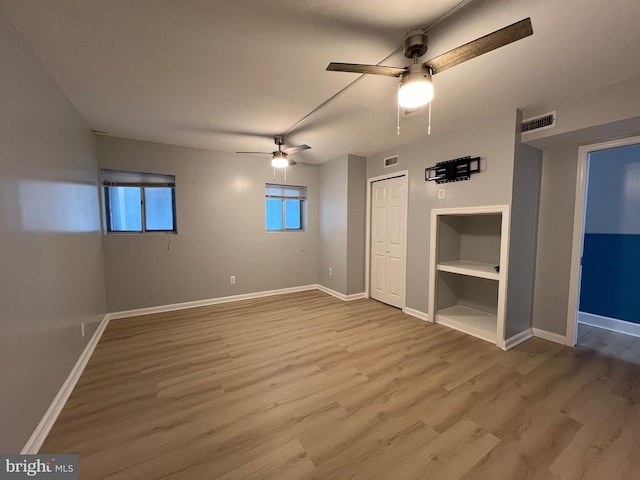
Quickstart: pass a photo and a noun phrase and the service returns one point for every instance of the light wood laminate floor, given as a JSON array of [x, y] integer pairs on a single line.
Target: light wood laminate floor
[[609, 343], [305, 386]]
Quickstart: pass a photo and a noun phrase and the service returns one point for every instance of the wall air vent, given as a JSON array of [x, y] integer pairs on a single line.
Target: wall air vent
[[541, 122], [391, 161]]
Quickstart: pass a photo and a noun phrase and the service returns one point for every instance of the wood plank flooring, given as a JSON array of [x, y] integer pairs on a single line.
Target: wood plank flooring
[[611, 344], [305, 386]]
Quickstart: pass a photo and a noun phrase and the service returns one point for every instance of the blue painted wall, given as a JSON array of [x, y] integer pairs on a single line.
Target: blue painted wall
[[611, 276], [611, 255]]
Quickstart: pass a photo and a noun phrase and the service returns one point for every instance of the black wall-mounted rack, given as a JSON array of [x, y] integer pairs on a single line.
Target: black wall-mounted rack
[[454, 170]]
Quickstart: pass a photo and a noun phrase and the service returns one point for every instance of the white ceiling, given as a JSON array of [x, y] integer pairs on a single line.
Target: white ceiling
[[228, 75]]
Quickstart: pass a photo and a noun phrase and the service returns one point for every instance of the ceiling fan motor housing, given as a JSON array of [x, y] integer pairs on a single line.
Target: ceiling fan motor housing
[[415, 44], [416, 72]]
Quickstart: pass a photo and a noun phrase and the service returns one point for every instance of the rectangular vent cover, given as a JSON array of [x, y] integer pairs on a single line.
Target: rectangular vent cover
[[391, 161], [541, 122]]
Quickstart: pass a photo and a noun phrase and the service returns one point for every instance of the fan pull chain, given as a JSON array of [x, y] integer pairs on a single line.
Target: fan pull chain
[[429, 124], [398, 120]]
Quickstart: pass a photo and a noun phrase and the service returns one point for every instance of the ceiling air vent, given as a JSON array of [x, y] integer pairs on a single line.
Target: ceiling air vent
[[391, 161], [541, 122]]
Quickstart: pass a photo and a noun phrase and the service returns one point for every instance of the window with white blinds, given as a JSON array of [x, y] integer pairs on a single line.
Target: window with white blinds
[[285, 207], [137, 202]]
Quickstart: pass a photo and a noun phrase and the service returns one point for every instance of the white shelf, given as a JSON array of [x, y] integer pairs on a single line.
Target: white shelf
[[473, 269], [466, 244], [469, 320]]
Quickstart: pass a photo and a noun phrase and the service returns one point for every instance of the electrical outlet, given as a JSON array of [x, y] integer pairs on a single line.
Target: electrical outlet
[[232, 279], [330, 271], [82, 329], [441, 193]]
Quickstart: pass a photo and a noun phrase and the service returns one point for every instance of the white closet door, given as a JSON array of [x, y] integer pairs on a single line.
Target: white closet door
[[388, 240], [379, 241]]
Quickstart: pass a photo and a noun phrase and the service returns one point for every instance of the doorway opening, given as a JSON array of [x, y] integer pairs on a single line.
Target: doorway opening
[[604, 292]]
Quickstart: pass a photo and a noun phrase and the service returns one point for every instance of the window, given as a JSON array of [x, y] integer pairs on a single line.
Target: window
[[284, 206], [139, 202]]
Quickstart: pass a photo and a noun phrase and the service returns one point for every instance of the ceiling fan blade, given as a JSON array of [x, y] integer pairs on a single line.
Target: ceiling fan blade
[[368, 69], [255, 153], [297, 148], [479, 46]]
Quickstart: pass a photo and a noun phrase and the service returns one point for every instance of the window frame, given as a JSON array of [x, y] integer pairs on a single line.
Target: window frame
[[118, 178], [301, 197]]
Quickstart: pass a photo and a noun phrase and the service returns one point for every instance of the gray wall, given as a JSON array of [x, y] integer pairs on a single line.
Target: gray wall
[[523, 237], [555, 233], [221, 229], [333, 180], [356, 223], [493, 141], [607, 113], [342, 224], [51, 274]]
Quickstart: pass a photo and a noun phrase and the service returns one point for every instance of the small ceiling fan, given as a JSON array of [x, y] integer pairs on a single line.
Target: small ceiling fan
[[416, 88], [280, 158]]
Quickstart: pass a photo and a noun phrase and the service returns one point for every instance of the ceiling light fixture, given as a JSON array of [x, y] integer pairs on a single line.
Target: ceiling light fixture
[[279, 160], [416, 88]]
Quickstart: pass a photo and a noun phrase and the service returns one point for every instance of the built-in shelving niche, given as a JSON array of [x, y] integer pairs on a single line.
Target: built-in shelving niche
[[468, 270]]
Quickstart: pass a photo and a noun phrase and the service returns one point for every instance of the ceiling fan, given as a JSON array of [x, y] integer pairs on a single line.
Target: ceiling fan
[[416, 88], [280, 158]]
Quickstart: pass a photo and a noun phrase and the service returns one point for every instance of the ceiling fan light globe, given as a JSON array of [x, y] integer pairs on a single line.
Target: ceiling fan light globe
[[414, 94], [279, 161]]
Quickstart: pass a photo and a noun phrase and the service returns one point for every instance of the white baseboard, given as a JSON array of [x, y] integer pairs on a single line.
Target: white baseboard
[[416, 313], [613, 324], [39, 435], [355, 296], [341, 296], [552, 337], [518, 339], [210, 301]]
